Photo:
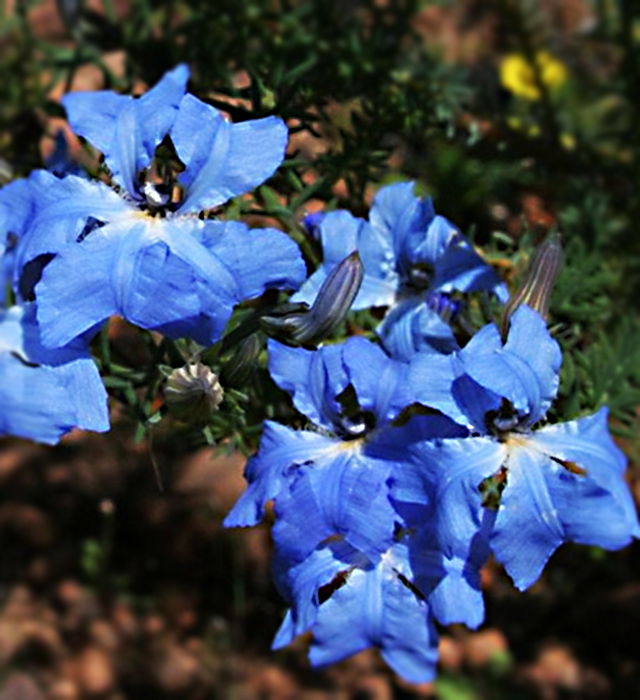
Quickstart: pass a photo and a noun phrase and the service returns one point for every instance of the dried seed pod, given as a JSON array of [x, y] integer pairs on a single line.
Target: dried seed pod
[[193, 391]]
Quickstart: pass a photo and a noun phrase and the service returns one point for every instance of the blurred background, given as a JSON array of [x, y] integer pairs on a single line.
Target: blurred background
[[519, 118]]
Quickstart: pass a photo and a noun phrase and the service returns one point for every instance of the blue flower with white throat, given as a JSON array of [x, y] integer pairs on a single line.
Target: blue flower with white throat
[[337, 389], [536, 487], [138, 247]]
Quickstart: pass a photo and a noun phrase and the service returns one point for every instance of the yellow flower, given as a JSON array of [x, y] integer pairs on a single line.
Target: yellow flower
[[517, 74]]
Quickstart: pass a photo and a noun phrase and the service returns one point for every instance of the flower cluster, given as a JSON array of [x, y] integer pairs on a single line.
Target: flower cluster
[[422, 455], [78, 251], [384, 516]]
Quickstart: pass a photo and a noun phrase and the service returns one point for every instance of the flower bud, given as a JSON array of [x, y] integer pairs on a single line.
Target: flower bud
[[239, 367], [299, 326], [193, 392], [536, 289]]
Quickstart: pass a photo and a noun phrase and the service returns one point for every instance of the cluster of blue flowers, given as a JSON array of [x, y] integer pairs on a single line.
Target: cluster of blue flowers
[[420, 458], [385, 513], [78, 251]]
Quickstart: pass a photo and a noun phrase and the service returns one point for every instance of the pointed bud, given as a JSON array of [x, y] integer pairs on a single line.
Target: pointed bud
[[334, 300], [536, 289], [239, 367], [309, 326], [193, 392]]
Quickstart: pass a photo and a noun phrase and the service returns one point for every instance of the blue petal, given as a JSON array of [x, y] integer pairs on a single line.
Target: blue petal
[[131, 268], [157, 109], [311, 224], [7, 263], [472, 398], [62, 391], [530, 340], [525, 371], [127, 130], [258, 259], [300, 585], [271, 472], [93, 115], [175, 279], [381, 279], [547, 504], [222, 159], [376, 378], [440, 501], [345, 497], [341, 234], [436, 239], [456, 597], [16, 208], [316, 378], [309, 289], [412, 327], [192, 142], [402, 219], [395, 446], [454, 468], [485, 342], [76, 291], [376, 607], [588, 444], [220, 265], [313, 378], [60, 212], [501, 374], [430, 381], [458, 266], [451, 584], [289, 630], [197, 268], [475, 401], [126, 155], [528, 509]]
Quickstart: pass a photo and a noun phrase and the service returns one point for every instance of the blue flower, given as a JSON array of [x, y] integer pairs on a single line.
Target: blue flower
[[348, 392], [45, 393], [537, 488], [138, 248], [413, 261]]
